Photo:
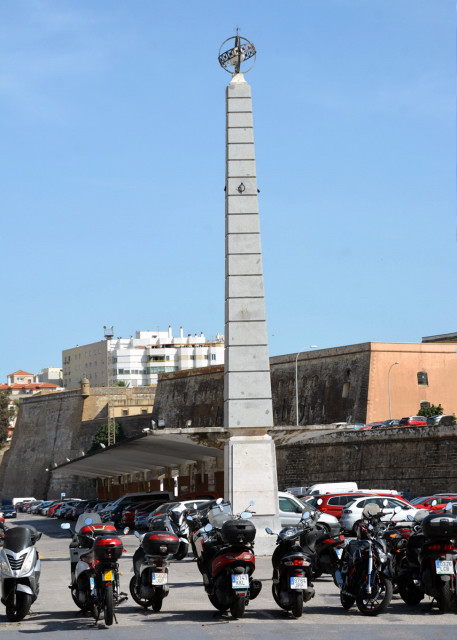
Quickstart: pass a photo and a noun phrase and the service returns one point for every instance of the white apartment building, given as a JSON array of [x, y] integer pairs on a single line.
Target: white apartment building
[[138, 360]]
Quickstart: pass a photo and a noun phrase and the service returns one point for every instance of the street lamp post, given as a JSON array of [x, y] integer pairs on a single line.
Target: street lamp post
[[388, 388], [311, 346]]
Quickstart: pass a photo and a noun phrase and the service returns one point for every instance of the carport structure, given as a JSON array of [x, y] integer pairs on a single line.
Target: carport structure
[[150, 454]]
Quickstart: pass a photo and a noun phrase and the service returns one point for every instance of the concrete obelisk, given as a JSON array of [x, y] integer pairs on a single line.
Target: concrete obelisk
[[250, 460]]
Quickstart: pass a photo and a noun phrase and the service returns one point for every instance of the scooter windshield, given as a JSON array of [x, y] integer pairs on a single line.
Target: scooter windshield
[[17, 539], [81, 521]]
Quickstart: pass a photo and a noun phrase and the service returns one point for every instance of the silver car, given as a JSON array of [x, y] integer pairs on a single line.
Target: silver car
[[291, 510], [352, 512]]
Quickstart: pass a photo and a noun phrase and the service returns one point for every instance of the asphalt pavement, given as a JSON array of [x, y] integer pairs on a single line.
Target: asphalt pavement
[[187, 612]]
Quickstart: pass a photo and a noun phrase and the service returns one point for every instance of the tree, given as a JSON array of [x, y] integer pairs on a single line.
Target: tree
[[101, 437], [121, 383], [4, 416], [430, 411]]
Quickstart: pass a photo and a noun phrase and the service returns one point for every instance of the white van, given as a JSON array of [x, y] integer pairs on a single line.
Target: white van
[[332, 487]]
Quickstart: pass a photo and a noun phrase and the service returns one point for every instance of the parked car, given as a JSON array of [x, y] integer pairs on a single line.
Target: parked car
[[445, 420], [440, 501], [52, 509], [387, 423], [115, 512], [291, 509], [334, 503], [140, 520], [352, 512], [8, 509], [36, 507], [413, 421]]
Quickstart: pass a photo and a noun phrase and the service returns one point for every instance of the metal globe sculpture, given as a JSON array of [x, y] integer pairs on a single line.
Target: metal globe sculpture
[[232, 59]]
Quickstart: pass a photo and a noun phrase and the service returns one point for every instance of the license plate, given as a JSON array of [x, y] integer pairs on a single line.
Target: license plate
[[240, 581], [298, 582], [159, 578], [108, 576], [444, 567]]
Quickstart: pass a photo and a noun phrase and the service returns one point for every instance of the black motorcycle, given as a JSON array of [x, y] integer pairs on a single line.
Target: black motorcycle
[[292, 567], [20, 569], [432, 560], [366, 577], [149, 585]]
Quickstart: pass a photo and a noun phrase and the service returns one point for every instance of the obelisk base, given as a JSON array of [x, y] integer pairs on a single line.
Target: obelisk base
[[250, 474]]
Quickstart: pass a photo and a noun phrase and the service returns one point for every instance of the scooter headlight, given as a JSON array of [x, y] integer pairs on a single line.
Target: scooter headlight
[[28, 562], [5, 565], [382, 557]]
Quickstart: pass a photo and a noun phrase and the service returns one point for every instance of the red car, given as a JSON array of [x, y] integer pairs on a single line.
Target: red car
[[52, 509], [413, 421], [441, 502]]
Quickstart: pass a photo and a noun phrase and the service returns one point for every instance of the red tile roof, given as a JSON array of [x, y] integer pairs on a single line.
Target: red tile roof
[[21, 373], [32, 385]]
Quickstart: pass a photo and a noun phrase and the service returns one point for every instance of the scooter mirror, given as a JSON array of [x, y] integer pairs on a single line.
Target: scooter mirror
[[246, 515], [190, 518], [252, 503], [410, 517], [219, 500], [448, 507], [269, 531], [208, 527], [88, 520], [65, 525], [319, 501], [397, 509], [126, 530], [385, 502], [136, 534], [434, 502], [195, 505], [306, 515]]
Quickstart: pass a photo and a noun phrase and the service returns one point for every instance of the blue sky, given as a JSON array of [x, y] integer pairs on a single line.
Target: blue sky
[[112, 127]]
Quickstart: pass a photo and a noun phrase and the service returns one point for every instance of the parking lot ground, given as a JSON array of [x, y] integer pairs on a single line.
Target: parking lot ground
[[187, 612]]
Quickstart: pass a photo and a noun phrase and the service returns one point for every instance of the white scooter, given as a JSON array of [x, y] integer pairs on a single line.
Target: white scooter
[[20, 568]]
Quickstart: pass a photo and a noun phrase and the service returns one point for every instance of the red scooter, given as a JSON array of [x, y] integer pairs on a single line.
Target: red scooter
[[225, 557]]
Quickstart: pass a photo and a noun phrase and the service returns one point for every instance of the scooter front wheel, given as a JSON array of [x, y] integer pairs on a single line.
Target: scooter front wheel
[[276, 598], [346, 601], [143, 602], [18, 605], [238, 606]]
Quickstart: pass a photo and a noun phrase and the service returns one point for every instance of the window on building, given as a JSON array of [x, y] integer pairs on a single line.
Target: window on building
[[346, 387], [143, 411], [315, 381], [125, 412], [213, 356], [192, 357], [422, 378]]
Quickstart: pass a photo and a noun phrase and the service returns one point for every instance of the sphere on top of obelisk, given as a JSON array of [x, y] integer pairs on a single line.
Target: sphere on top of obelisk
[[232, 59]]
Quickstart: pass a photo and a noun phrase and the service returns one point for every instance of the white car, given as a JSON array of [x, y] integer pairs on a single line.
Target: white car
[[352, 512], [291, 510]]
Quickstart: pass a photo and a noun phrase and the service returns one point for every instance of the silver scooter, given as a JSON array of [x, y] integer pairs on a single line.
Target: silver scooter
[[20, 568]]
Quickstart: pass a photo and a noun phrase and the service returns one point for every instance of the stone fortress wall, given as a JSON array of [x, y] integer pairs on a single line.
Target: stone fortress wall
[[56, 426]]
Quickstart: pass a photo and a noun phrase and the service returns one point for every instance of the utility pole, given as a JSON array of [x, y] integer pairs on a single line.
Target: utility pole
[[110, 382]]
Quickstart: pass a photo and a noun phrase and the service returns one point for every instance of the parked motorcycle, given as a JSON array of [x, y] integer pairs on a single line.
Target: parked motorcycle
[[366, 568], [149, 585], [175, 523], [226, 560], [292, 567], [94, 552], [20, 568], [432, 561]]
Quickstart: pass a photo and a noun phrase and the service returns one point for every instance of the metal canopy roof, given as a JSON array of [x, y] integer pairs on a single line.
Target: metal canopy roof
[[142, 453]]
